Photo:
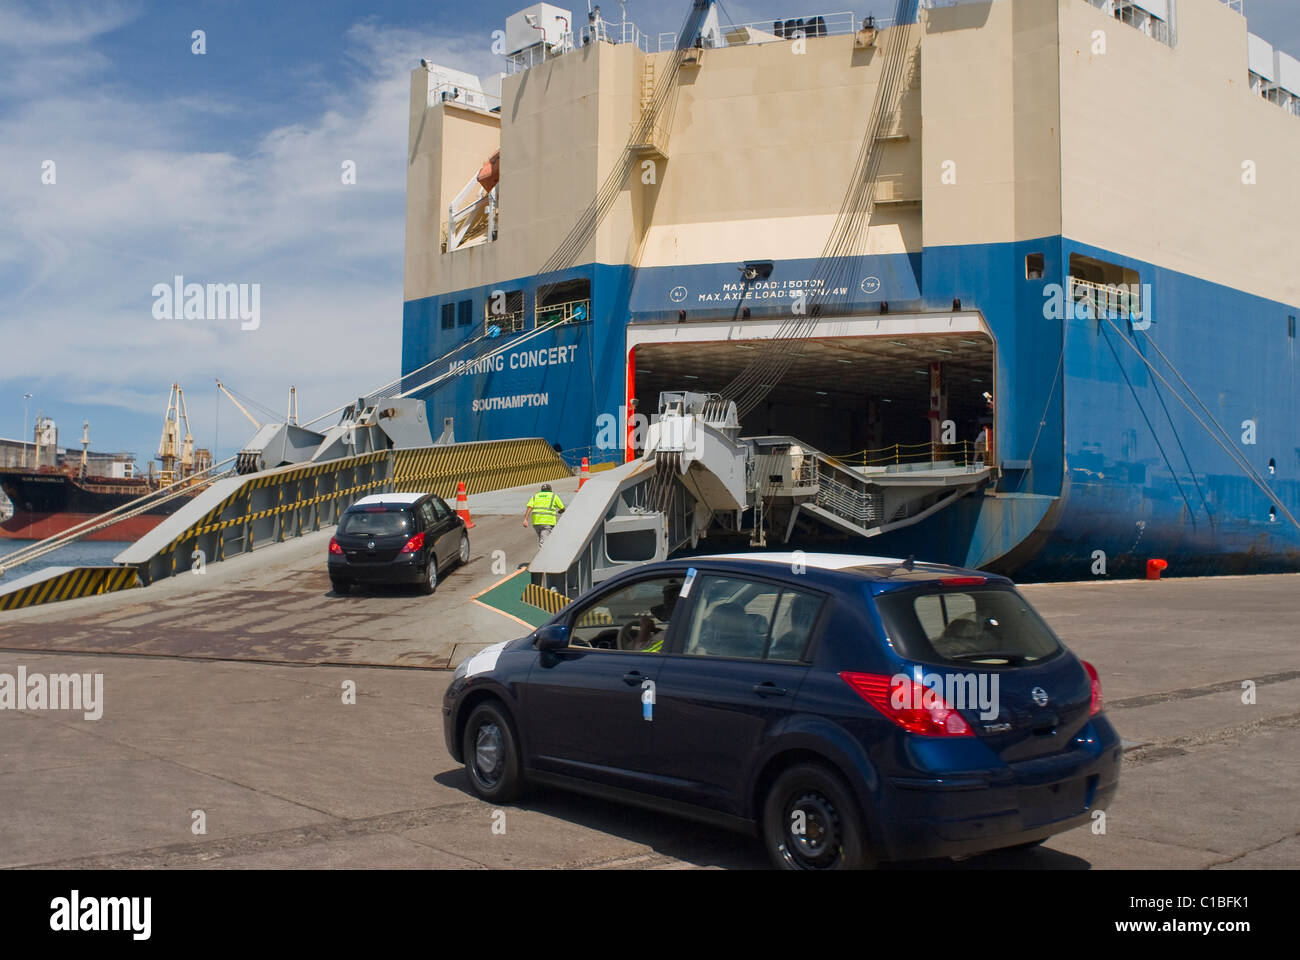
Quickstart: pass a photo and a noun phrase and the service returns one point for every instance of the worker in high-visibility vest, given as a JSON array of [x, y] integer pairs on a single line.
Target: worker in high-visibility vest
[[543, 510]]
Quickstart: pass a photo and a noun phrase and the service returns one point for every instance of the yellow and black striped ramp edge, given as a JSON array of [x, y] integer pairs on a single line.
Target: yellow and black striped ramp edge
[[71, 584], [551, 601], [212, 522], [489, 465]]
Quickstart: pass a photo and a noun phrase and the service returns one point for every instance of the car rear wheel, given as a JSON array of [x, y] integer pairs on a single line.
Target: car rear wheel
[[810, 822], [491, 754], [341, 587], [430, 583], [462, 556]]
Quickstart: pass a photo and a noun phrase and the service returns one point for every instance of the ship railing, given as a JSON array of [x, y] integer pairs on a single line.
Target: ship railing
[[817, 25], [595, 454], [598, 31], [848, 500], [126, 511], [513, 321], [606, 31], [530, 57], [962, 453], [1107, 300], [571, 311], [538, 54], [464, 96], [652, 140], [1138, 17]]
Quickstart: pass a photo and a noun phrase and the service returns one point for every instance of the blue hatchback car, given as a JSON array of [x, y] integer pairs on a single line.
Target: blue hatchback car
[[848, 710]]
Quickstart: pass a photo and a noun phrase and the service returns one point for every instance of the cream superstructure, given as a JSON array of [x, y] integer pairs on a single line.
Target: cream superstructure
[[1023, 119]]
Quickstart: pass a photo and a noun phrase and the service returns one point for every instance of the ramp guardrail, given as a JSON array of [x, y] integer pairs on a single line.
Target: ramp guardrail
[[242, 513]]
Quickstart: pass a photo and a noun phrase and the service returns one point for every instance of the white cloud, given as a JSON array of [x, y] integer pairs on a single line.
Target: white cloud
[[132, 207], [54, 24]]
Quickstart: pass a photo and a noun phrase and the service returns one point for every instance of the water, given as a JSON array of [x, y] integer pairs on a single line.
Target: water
[[92, 553]]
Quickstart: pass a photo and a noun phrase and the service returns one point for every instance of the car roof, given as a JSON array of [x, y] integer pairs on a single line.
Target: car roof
[[870, 568], [390, 500]]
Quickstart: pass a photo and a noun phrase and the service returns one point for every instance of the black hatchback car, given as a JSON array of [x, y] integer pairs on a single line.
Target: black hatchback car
[[846, 709], [396, 538]]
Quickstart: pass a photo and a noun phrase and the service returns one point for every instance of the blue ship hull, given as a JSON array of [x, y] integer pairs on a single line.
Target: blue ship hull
[[1104, 467]]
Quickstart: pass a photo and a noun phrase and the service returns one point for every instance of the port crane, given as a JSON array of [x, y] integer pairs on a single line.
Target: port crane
[[257, 425], [172, 450]]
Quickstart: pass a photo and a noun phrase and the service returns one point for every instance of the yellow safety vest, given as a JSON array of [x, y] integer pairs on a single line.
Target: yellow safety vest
[[545, 507]]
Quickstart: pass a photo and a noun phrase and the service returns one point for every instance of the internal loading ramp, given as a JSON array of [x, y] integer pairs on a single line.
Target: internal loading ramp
[[697, 476]]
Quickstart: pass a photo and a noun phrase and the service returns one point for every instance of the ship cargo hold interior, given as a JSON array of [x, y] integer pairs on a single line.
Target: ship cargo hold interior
[[866, 399]]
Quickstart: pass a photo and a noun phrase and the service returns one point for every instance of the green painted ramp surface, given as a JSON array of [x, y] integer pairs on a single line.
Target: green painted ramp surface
[[505, 596]]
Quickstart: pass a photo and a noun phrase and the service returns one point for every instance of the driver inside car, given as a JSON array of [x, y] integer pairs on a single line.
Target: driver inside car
[[646, 634]]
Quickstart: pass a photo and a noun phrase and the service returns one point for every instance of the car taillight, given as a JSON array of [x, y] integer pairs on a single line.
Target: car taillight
[[334, 546], [963, 581], [909, 704], [1096, 706], [414, 544]]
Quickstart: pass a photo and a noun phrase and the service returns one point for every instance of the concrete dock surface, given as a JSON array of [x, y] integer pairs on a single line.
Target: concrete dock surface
[[276, 605], [224, 693]]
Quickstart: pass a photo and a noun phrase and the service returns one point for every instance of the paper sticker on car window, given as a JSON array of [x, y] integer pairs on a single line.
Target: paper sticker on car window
[[686, 584]]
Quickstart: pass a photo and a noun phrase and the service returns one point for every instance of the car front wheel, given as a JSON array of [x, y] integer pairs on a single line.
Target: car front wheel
[[462, 556], [492, 754], [810, 822]]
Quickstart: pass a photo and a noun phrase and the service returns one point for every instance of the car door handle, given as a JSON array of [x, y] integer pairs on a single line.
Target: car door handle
[[769, 689], [633, 677]]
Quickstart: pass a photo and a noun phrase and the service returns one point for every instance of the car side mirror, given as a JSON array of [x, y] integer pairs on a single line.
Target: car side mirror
[[552, 637]]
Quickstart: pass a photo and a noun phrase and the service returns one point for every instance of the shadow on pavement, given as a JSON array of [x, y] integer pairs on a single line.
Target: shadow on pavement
[[704, 845]]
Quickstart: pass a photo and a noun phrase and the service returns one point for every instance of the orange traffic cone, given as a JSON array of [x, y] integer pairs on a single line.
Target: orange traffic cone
[[462, 505], [585, 475]]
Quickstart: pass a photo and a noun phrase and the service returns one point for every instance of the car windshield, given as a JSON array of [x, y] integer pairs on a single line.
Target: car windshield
[[376, 523], [995, 625]]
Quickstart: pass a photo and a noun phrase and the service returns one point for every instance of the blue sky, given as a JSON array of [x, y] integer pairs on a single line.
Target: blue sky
[[225, 168]]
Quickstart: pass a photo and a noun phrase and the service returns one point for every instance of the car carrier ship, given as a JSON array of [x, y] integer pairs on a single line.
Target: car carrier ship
[[58, 491], [1038, 255]]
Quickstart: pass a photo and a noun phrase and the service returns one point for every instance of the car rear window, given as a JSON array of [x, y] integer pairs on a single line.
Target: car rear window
[[376, 523], [987, 625]]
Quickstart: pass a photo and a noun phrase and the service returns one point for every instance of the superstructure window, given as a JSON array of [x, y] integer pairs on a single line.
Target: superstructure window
[[465, 313], [448, 316], [1111, 290], [504, 309], [568, 301], [1146, 16], [1034, 266]]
